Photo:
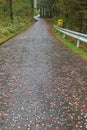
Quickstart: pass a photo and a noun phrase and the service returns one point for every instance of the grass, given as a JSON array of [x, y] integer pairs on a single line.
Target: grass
[[81, 51], [8, 29], [70, 45], [22, 19]]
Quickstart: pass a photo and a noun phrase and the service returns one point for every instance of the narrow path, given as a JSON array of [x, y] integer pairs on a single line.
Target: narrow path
[[43, 84]]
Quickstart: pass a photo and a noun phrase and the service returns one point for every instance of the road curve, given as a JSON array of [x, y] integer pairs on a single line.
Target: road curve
[[43, 84]]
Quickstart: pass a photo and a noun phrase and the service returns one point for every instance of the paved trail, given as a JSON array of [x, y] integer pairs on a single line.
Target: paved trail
[[43, 84]]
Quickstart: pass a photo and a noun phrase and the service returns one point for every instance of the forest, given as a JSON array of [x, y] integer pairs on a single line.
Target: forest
[[73, 12], [15, 16]]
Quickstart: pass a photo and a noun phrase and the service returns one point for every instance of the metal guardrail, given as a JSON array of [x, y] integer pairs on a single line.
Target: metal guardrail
[[78, 36]]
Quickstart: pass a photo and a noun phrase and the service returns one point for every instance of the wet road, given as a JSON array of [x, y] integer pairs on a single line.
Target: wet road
[[43, 84]]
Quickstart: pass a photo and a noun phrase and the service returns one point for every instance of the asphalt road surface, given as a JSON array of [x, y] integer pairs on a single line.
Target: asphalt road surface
[[43, 84]]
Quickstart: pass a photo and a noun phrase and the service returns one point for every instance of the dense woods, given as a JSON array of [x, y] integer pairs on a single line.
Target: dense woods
[[73, 12], [15, 16], [18, 8]]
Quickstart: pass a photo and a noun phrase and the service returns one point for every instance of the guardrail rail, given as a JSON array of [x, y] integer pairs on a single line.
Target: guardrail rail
[[78, 36]]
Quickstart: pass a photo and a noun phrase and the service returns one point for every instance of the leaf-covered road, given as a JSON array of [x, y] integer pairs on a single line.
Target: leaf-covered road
[[43, 84]]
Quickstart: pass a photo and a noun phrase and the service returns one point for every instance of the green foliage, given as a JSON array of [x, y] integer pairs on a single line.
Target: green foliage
[[7, 28], [4, 31], [22, 17], [70, 45], [12, 29], [19, 8], [74, 14], [36, 12]]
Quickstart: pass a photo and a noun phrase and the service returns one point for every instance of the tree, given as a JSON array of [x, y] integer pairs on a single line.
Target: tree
[[46, 8], [74, 13], [11, 10]]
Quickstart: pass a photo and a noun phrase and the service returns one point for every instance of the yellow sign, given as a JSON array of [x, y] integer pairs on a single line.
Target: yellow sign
[[60, 22]]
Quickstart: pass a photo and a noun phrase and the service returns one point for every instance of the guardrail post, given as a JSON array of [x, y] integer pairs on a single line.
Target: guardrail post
[[76, 35], [64, 35], [55, 30], [78, 43]]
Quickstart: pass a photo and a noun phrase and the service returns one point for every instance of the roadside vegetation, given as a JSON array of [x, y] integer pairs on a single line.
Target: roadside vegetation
[[74, 16], [12, 23], [73, 13], [69, 43]]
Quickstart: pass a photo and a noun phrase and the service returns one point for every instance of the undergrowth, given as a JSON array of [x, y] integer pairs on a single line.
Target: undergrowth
[[70, 45], [9, 29]]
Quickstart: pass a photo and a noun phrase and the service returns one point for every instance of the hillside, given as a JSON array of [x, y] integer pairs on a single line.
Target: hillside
[[14, 17]]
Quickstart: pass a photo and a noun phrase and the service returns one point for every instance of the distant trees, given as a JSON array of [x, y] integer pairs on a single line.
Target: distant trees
[[46, 8], [20, 7], [74, 12]]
